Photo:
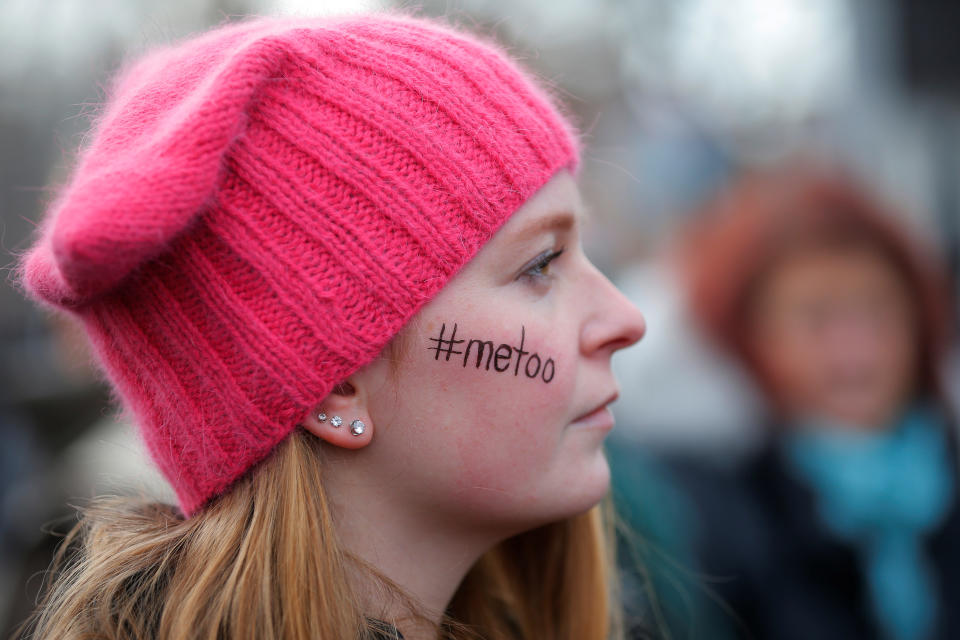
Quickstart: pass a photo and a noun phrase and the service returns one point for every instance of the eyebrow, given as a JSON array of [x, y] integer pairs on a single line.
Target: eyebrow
[[557, 221]]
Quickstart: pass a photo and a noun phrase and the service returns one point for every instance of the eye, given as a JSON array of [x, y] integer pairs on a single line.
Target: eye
[[539, 266]]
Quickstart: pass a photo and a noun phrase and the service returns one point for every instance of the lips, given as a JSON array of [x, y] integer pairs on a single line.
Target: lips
[[599, 413]]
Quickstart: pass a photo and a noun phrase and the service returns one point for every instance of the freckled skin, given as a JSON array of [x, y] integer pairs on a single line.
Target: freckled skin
[[479, 448]]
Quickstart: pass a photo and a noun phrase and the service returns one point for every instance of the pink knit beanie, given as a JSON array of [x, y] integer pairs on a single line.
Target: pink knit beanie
[[260, 209]]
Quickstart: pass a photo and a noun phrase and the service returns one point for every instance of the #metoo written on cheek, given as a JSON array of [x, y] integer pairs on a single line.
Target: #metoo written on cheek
[[501, 356]]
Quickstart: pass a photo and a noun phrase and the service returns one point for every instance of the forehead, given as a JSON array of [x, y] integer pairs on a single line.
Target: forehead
[[555, 204], [836, 265]]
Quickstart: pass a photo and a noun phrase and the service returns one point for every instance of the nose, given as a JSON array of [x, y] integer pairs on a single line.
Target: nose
[[612, 321]]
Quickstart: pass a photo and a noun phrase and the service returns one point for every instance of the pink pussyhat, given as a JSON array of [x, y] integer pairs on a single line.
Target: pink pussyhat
[[260, 209]]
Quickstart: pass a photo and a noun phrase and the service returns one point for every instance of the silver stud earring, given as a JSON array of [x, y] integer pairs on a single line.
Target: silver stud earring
[[357, 427], [322, 417], [336, 421]]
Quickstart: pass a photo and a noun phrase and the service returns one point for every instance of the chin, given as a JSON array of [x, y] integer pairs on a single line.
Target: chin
[[585, 489], [600, 489], [568, 492]]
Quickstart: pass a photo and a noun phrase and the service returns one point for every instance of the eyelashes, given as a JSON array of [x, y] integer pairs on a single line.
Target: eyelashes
[[538, 268]]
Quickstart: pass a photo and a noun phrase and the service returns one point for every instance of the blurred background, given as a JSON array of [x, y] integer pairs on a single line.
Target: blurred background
[[677, 100]]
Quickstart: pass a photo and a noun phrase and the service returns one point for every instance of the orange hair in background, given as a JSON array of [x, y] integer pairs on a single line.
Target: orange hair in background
[[742, 235]]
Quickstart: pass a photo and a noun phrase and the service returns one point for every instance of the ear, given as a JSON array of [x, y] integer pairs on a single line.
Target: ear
[[347, 402]]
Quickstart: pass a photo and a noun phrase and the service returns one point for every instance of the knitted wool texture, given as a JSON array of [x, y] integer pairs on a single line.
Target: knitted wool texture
[[263, 207]]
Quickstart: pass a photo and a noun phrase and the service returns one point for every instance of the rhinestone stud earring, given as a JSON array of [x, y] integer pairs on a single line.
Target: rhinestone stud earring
[[336, 421], [322, 417], [357, 427]]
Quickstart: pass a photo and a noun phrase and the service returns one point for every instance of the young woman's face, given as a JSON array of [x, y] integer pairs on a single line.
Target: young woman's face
[[493, 411]]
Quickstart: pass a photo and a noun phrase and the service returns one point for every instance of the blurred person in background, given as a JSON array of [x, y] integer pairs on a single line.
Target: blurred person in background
[[844, 523]]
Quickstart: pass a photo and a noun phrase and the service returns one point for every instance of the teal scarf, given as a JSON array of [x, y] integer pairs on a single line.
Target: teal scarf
[[882, 492]]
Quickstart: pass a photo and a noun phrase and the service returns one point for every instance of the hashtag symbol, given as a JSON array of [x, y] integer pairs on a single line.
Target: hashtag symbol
[[445, 346]]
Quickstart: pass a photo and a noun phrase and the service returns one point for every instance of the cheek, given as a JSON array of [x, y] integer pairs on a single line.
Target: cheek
[[902, 355], [498, 405], [793, 358], [513, 440]]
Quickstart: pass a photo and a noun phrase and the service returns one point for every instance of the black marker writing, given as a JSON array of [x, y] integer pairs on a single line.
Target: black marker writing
[[449, 344], [520, 351], [485, 354]]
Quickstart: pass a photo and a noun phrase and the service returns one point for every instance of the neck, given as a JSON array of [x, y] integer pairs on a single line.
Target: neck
[[425, 558]]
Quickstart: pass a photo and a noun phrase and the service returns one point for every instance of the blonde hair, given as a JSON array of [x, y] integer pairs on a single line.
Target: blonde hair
[[262, 562]]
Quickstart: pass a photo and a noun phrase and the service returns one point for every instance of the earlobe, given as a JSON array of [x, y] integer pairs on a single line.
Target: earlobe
[[341, 419], [347, 431]]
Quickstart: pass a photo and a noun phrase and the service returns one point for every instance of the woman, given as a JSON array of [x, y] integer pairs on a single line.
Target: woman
[[846, 524], [333, 270]]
